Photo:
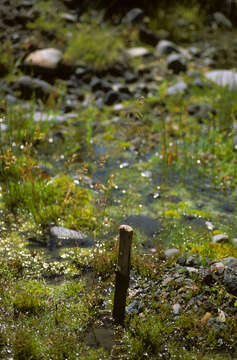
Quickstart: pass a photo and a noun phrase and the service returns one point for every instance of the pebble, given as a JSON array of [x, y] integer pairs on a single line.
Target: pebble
[[171, 253], [178, 88], [165, 47], [220, 238], [176, 63], [176, 308]]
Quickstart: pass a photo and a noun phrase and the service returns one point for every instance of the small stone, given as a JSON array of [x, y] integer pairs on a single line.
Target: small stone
[[221, 316], [201, 111], [171, 253], [191, 270], [230, 262], [176, 63], [133, 308], [220, 238], [206, 276], [147, 36], [98, 84], [165, 47], [176, 308], [192, 260], [221, 20], [234, 242], [216, 325], [178, 88], [230, 280], [209, 225], [134, 16], [30, 87], [137, 52], [112, 97], [219, 266], [181, 260], [69, 17]]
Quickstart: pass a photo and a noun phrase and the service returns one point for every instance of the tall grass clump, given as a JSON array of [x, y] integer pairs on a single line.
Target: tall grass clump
[[99, 46]]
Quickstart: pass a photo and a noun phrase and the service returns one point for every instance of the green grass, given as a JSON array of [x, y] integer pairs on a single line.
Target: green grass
[[96, 45]]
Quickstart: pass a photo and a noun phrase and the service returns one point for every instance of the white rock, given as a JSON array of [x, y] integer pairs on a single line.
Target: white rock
[[46, 58], [223, 78], [220, 238], [137, 51]]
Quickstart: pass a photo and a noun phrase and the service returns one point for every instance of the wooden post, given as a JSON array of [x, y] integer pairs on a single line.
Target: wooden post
[[122, 273]]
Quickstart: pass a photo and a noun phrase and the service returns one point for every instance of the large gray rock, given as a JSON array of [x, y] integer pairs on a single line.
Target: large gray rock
[[226, 78], [63, 237], [45, 58], [176, 63], [165, 47], [30, 87]]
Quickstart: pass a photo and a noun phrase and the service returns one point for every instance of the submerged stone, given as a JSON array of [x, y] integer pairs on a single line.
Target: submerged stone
[[145, 224], [63, 237]]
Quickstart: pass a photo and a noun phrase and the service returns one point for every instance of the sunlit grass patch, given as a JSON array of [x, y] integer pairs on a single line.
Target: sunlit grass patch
[[50, 202]]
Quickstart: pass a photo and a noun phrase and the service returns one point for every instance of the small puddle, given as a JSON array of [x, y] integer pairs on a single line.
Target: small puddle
[[103, 333], [101, 337]]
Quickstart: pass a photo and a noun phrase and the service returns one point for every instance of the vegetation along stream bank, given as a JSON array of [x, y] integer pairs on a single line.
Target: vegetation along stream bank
[[118, 114]]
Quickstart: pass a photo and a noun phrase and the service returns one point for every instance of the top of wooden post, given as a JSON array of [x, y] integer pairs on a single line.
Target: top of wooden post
[[126, 228]]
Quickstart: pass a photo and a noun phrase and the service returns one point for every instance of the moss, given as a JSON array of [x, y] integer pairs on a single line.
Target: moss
[[25, 346], [212, 251]]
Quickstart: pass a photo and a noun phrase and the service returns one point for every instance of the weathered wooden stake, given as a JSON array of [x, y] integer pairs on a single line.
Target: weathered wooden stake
[[122, 273]]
